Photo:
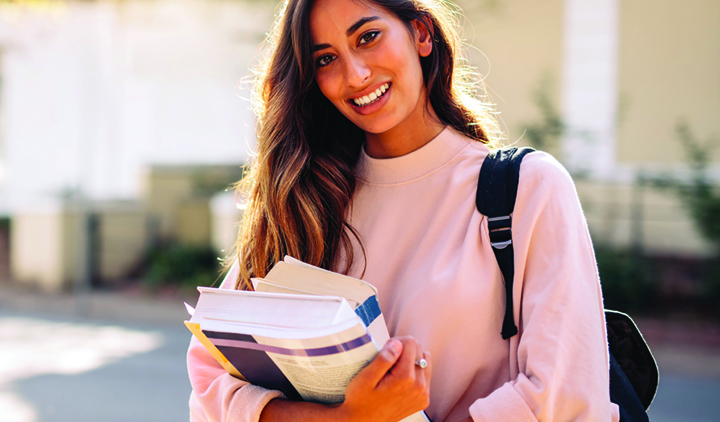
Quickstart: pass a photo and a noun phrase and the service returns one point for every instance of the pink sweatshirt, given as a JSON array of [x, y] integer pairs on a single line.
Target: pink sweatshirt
[[429, 255]]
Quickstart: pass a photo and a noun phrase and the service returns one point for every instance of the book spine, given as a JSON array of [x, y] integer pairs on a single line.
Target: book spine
[[369, 310]]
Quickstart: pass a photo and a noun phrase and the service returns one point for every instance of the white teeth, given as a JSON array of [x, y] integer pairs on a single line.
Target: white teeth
[[372, 97]]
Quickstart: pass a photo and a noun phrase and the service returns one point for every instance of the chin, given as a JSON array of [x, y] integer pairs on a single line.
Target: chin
[[381, 126]]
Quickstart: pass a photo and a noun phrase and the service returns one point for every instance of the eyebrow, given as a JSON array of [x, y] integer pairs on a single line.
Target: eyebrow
[[354, 27], [362, 21]]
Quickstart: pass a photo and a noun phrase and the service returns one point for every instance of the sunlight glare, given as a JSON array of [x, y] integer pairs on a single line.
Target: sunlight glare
[[30, 347], [14, 409]]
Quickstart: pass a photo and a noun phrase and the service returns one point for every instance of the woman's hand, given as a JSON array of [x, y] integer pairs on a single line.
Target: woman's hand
[[391, 387]]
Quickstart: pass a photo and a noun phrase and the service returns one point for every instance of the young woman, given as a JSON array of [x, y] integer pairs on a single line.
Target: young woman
[[370, 142]]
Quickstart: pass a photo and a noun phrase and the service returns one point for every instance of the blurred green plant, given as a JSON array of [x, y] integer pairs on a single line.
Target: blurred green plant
[[546, 132], [628, 276], [182, 266], [625, 278], [702, 198]]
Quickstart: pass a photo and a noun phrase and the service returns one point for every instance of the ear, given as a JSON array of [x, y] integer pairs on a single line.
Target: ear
[[423, 36]]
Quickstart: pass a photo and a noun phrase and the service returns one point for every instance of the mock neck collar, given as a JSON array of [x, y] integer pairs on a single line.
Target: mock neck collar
[[414, 165]]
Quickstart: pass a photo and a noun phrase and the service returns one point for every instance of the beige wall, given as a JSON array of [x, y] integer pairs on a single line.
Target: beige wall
[[73, 242], [123, 237], [164, 190], [35, 244], [44, 247], [522, 42], [193, 222], [45, 244], [178, 199], [669, 68]]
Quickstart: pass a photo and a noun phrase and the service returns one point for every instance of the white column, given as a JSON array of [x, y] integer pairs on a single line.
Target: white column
[[589, 91]]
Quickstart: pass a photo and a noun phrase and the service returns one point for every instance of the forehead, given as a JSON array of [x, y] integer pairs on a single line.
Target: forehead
[[332, 18]]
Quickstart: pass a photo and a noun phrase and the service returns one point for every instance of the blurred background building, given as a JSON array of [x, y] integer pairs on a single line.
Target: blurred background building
[[122, 122], [119, 121], [604, 84]]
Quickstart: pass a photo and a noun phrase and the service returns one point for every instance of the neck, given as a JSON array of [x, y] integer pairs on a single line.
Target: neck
[[413, 133]]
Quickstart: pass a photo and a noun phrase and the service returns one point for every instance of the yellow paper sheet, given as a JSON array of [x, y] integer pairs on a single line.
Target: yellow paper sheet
[[222, 360]]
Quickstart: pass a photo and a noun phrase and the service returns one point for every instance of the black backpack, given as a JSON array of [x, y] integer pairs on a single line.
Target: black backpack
[[633, 370]]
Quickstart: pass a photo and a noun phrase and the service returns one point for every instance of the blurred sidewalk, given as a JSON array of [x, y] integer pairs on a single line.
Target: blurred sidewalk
[[686, 348], [111, 357], [125, 306]]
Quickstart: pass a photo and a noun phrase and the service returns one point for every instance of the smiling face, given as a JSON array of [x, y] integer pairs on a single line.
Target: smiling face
[[368, 66]]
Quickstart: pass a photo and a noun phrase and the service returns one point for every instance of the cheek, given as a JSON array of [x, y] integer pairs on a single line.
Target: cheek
[[328, 86], [391, 56], [402, 60]]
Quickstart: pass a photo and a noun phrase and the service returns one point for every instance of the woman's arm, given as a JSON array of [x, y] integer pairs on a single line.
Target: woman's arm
[[560, 369], [218, 396]]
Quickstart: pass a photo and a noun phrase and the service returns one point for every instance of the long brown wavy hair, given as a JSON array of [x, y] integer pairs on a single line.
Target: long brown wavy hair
[[299, 188]]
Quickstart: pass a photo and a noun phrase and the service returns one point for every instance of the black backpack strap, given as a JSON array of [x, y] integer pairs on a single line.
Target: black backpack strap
[[495, 199]]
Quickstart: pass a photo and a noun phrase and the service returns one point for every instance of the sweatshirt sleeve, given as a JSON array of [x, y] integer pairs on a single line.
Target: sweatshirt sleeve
[[216, 395], [560, 367]]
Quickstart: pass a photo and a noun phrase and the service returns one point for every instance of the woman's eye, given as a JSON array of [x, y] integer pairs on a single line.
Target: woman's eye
[[325, 60], [368, 37]]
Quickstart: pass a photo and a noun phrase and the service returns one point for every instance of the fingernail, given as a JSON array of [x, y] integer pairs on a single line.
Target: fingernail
[[395, 348]]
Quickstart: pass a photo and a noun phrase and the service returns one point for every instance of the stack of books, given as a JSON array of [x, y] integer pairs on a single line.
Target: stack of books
[[304, 331]]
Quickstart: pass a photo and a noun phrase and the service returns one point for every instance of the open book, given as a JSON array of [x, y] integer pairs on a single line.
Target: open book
[[305, 331]]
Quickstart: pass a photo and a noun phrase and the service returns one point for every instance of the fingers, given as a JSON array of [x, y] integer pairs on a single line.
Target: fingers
[[416, 380], [392, 386], [418, 354], [412, 352], [396, 363], [383, 362], [427, 371], [422, 375], [405, 365]]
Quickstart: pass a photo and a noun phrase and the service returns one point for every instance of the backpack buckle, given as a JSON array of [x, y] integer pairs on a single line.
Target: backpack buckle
[[500, 231]]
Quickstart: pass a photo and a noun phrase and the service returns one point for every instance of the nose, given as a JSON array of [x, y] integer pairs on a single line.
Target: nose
[[357, 71]]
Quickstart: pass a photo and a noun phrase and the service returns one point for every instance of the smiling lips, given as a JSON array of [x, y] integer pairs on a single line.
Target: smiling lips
[[372, 97]]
